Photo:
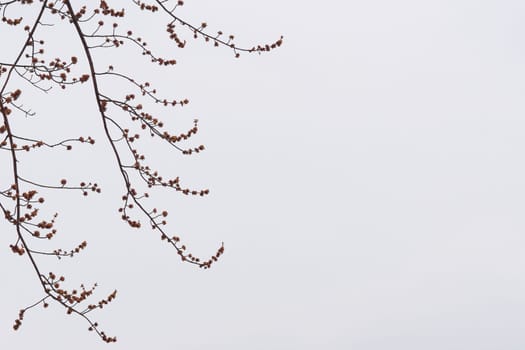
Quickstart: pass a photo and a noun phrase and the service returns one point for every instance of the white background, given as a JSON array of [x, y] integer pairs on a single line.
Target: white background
[[367, 179]]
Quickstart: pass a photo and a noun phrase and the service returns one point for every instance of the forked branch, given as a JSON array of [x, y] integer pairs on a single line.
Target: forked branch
[[21, 200]]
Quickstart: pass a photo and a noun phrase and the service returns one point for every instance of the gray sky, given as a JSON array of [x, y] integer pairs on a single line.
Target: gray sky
[[367, 180]]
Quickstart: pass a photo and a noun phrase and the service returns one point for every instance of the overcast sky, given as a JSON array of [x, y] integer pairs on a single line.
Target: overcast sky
[[367, 180]]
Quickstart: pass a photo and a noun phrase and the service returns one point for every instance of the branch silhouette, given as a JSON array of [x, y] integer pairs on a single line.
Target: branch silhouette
[[21, 201]]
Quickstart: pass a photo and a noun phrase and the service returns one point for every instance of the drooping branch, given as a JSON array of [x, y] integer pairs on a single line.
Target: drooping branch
[[21, 201]]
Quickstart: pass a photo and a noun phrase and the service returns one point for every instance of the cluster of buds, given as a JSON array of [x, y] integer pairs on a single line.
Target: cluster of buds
[[59, 253]]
